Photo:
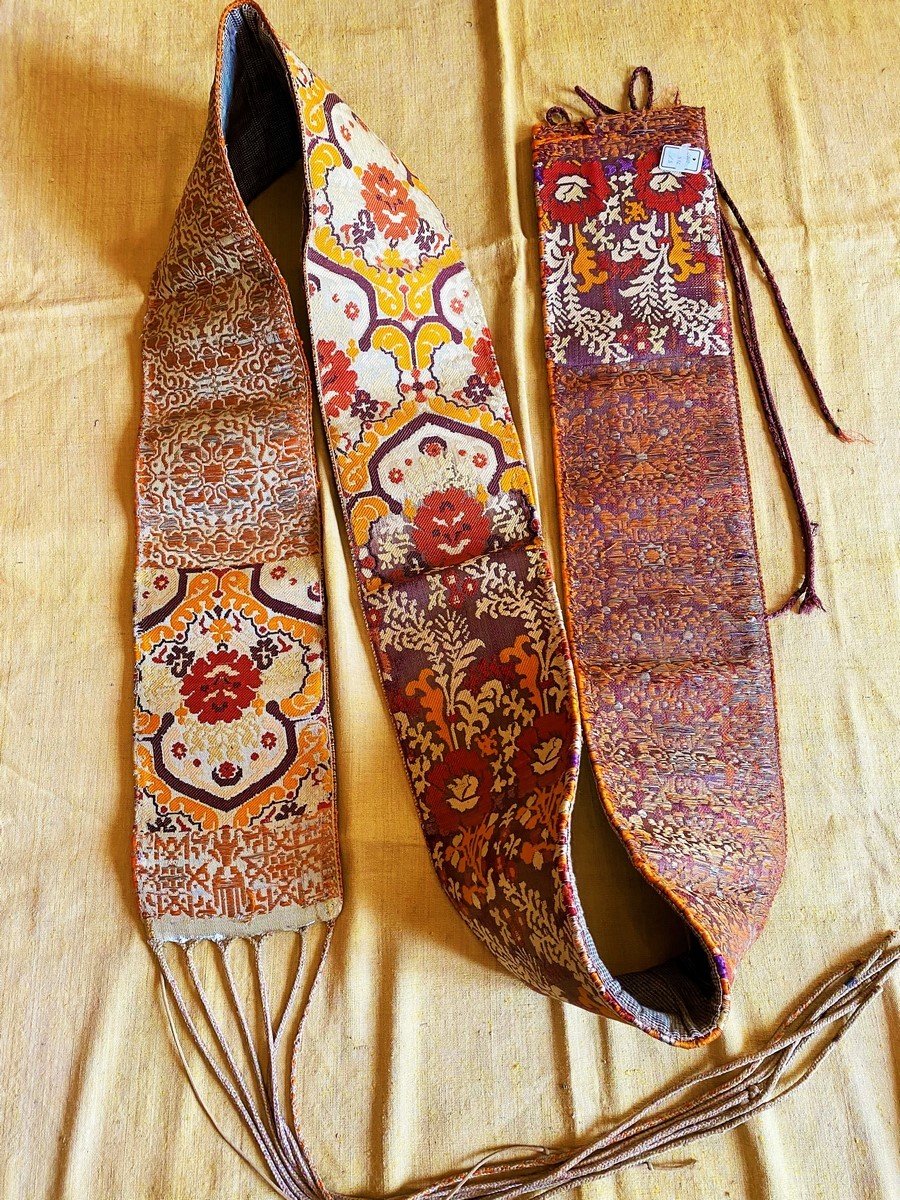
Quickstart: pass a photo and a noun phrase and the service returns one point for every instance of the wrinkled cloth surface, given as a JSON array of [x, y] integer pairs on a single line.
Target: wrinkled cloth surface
[[421, 1053]]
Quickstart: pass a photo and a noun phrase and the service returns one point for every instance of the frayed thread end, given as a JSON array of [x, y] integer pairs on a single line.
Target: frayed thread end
[[801, 601], [810, 603], [849, 437]]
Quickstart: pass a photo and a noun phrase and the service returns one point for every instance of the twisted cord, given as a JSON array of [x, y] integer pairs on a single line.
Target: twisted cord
[[714, 1101]]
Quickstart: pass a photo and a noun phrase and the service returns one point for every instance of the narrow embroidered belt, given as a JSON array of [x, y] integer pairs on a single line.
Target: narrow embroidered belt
[[663, 594], [236, 829]]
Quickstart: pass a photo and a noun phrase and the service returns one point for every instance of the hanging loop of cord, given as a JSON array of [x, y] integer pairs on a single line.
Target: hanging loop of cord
[[636, 74]]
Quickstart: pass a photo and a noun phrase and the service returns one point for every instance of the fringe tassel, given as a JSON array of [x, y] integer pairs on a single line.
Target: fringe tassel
[[255, 1091], [711, 1102]]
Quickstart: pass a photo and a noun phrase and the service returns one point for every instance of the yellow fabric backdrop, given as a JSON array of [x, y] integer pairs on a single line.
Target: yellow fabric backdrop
[[421, 1052]]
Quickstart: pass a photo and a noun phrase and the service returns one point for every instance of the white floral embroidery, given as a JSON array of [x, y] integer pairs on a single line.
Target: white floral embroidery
[[594, 311], [568, 317], [655, 298]]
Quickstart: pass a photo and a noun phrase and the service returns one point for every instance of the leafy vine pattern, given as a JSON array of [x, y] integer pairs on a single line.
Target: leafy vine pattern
[[631, 258]]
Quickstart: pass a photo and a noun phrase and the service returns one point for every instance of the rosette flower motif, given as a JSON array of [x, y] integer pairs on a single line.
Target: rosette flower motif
[[459, 791], [571, 191], [542, 752], [664, 191], [220, 686], [450, 527], [390, 203]]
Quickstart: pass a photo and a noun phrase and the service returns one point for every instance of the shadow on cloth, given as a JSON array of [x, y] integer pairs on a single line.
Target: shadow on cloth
[[105, 162]]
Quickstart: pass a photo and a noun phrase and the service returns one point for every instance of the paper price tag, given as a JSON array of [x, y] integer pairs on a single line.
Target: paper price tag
[[681, 160]]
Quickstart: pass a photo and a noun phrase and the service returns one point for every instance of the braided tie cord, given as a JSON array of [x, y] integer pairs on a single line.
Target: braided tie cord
[[712, 1101]]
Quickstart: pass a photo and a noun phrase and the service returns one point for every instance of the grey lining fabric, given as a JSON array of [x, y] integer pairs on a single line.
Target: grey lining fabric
[[680, 993], [680, 998], [259, 117]]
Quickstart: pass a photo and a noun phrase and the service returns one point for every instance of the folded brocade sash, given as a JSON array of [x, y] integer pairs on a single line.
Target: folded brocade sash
[[235, 833], [236, 830]]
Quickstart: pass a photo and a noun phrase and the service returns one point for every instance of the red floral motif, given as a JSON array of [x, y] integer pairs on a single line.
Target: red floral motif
[[541, 752], [417, 388], [451, 526], [220, 686], [484, 362], [669, 638], [388, 199], [573, 191], [337, 377], [665, 191], [459, 791], [460, 588], [489, 669]]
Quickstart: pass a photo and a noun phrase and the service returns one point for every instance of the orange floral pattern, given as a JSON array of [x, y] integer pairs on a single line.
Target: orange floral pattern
[[630, 251], [389, 202], [235, 825], [231, 729], [456, 588]]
